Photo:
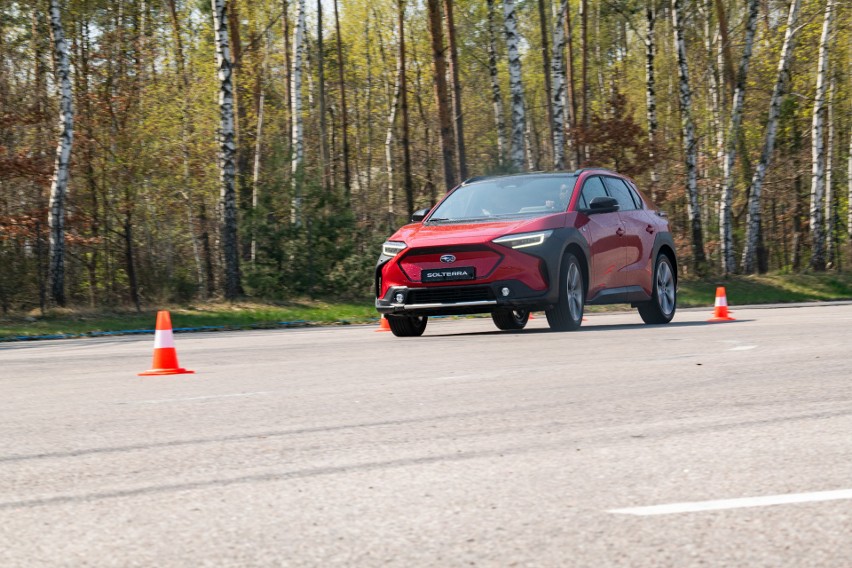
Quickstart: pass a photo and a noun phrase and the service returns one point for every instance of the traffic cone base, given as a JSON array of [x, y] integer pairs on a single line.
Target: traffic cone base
[[165, 355], [383, 324], [720, 310], [153, 372]]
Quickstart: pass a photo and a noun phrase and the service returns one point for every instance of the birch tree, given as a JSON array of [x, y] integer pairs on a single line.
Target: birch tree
[[407, 181], [227, 152], [726, 202], [325, 153], [830, 206], [389, 161], [517, 149], [298, 152], [818, 147], [439, 67], [690, 147], [496, 95], [557, 72], [456, 93], [547, 66], [344, 111], [650, 41], [59, 184], [753, 216], [849, 191], [571, 107]]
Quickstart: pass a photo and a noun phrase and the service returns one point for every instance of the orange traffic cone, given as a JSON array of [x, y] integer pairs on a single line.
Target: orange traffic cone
[[383, 324], [720, 312], [165, 356]]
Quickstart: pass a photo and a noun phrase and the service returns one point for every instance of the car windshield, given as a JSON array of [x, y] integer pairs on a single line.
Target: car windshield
[[506, 197]]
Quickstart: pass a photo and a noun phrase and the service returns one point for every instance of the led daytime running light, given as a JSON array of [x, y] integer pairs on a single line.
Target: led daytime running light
[[393, 248], [523, 240]]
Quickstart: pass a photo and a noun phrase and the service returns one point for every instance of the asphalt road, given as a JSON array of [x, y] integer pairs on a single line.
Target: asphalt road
[[691, 444]]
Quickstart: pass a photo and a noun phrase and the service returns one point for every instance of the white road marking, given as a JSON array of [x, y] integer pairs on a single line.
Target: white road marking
[[191, 398], [742, 348], [722, 504]]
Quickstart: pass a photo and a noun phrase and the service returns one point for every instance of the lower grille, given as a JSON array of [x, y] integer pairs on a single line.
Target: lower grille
[[450, 295]]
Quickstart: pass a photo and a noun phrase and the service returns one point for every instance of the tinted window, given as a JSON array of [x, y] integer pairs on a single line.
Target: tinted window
[[619, 190], [593, 187], [635, 194]]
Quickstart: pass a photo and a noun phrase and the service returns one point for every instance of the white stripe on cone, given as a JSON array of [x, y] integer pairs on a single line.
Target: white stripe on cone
[[721, 301], [163, 338]]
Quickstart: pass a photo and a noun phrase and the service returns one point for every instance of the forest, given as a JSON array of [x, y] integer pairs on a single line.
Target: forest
[[188, 150]]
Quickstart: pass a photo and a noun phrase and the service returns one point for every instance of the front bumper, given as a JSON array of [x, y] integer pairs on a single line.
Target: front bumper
[[464, 299]]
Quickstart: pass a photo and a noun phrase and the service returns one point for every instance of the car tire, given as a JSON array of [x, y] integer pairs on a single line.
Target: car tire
[[510, 319], [407, 326], [661, 309], [567, 314]]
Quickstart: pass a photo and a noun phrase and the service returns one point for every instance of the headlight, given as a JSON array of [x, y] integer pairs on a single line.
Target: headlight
[[523, 240], [393, 248]]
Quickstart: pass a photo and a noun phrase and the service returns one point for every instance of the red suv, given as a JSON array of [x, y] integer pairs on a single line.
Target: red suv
[[509, 245]]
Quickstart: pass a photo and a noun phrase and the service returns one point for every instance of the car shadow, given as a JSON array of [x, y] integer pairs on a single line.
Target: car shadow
[[586, 327]]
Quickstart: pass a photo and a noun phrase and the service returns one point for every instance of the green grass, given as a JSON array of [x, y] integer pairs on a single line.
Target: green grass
[[85, 321], [740, 290], [767, 289]]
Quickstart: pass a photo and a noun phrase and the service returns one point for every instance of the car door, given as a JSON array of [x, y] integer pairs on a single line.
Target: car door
[[638, 239], [604, 233]]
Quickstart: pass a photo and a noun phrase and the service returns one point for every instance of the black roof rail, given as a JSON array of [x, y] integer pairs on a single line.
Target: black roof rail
[[587, 169], [475, 178]]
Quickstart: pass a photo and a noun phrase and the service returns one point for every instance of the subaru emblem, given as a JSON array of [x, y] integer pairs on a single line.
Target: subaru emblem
[[448, 258]]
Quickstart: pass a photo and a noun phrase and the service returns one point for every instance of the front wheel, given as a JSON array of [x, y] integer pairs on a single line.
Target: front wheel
[[407, 326], [510, 319], [567, 315], [661, 308]]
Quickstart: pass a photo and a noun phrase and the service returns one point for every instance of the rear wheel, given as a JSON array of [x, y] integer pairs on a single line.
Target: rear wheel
[[567, 315], [661, 308], [510, 319], [407, 326]]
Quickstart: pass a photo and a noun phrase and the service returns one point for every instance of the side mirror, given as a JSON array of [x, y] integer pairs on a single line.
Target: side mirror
[[602, 204], [420, 214]]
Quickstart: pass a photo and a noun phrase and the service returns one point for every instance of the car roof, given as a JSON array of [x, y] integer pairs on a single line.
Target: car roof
[[566, 173]]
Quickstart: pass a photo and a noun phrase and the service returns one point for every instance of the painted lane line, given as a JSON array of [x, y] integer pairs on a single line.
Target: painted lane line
[[742, 348], [191, 398], [722, 504]]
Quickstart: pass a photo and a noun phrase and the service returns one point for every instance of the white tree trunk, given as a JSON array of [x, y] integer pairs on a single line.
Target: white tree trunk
[[830, 212], [496, 96], [517, 151], [59, 184], [725, 216], [718, 101], [557, 70], [227, 151], [753, 218], [689, 141], [389, 144], [255, 178], [818, 148], [849, 190], [651, 92], [298, 153]]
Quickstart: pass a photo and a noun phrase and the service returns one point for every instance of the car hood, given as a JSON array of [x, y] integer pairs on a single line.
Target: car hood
[[422, 235]]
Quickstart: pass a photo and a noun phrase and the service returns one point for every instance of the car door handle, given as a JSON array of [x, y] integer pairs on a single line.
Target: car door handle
[[620, 232], [650, 229]]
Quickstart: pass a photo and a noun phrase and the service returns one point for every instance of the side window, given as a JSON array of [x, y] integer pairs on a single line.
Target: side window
[[592, 187], [619, 190], [636, 198]]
